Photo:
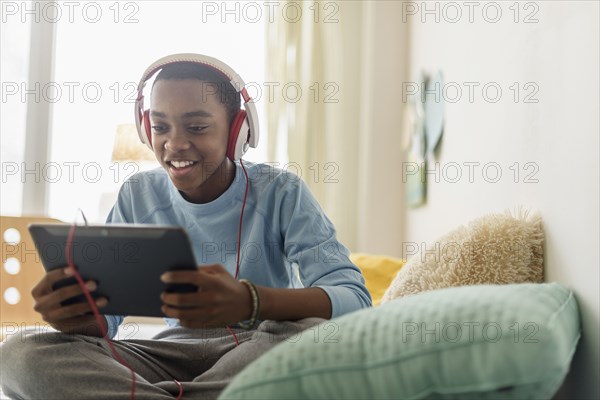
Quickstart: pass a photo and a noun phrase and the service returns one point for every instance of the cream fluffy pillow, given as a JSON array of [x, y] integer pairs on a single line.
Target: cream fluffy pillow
[[493, 249]]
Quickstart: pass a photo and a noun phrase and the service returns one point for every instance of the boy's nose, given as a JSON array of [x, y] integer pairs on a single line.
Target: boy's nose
[[177, 142]]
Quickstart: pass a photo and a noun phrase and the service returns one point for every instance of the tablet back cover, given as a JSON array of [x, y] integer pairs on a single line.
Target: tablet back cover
[[125, 261]]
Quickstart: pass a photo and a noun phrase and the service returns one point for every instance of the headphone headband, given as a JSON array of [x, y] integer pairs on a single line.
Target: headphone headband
[[250, 119], [235, 80]]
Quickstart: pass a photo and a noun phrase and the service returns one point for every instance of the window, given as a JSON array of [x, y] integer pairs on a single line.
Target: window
[[14, 70], [102, 49]]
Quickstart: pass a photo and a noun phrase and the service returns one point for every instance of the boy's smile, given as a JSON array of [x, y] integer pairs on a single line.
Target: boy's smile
[[190, 130]]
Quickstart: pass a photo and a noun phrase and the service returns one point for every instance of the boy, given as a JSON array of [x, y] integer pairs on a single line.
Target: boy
[[203, 188]]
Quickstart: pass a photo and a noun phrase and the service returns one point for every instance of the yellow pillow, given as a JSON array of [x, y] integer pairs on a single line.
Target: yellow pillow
[[379, 271]]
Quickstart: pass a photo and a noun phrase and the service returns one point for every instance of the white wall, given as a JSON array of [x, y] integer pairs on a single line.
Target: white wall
[[558, 135]]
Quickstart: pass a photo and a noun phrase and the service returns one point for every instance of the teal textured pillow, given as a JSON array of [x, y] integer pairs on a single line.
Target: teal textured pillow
[[487, 341]]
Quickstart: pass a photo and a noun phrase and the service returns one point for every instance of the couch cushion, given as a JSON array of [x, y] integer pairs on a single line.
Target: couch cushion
[[483, 341]]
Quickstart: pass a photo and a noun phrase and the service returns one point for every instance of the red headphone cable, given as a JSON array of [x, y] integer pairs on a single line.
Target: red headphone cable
[[92, 304], [237, 266], [97, 315]]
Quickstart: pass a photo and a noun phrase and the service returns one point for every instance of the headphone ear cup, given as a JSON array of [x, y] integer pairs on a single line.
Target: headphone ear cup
[[147, 127], [238, 136]]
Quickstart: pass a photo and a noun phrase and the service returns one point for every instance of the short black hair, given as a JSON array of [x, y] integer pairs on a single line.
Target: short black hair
[[191, 70]]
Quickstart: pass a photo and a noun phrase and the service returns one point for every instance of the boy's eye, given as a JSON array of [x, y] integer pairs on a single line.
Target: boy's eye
[[197, 129], [158, 128]]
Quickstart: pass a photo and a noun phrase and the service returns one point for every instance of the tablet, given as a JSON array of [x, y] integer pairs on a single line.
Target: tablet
[[126, 262]]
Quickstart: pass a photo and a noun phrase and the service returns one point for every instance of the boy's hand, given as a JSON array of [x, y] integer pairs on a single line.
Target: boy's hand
[[69, 318], [220, 300]]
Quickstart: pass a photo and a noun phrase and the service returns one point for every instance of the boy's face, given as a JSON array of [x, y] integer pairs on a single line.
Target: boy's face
[[189, 135]]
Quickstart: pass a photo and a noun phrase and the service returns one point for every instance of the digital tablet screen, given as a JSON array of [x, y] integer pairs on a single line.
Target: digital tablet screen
[[126, 262]]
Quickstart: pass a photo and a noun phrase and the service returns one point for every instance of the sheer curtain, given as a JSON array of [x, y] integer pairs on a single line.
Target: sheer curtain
[[317, 132]]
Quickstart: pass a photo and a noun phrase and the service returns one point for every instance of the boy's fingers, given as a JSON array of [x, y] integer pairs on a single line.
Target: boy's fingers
[[197, 299], [177, 276], [67, 292], [55, 297], [203, 272], [73, 310], [50, 278]]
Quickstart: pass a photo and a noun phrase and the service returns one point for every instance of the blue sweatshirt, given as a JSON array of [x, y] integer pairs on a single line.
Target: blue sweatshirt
[[287, 240]]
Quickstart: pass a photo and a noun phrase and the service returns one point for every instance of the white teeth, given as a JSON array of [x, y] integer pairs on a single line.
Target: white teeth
[[181, 164]]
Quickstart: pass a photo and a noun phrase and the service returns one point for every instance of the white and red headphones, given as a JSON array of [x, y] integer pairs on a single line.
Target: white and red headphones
[[243, 132]]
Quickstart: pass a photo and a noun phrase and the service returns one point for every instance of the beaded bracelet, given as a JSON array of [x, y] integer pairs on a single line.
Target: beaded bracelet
[[255, 306]]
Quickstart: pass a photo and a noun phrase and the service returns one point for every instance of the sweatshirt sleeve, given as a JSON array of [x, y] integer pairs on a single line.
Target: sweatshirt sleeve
[[113, 321], [310, 242]]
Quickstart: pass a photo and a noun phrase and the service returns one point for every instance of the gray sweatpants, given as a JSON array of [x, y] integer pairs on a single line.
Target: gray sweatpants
[[61, 366]]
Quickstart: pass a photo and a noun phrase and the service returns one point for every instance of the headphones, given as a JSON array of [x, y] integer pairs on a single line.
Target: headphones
[[243, 132]]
